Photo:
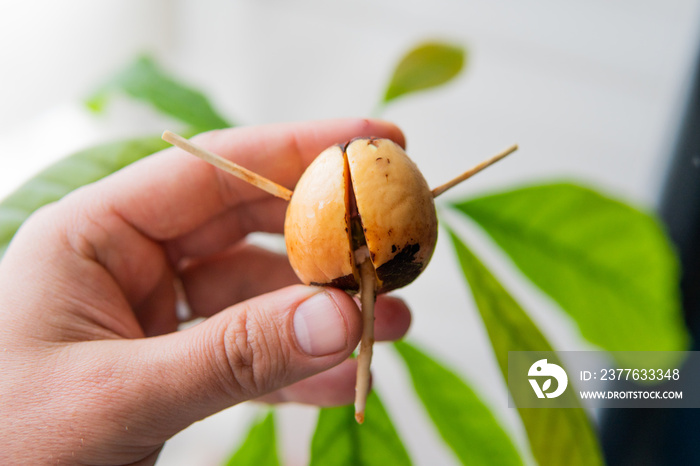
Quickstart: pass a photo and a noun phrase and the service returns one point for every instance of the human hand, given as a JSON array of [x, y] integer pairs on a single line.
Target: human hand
[[93, 370]]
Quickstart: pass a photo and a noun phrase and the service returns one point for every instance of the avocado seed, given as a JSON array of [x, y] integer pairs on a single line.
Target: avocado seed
[[362, 200]]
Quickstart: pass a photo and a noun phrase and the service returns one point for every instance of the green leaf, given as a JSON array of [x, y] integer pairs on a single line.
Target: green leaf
[[464, 421], [608, 265], [556, 435], [145, 81], [259, 447], [340, 441], [66, 175], [428, 65]]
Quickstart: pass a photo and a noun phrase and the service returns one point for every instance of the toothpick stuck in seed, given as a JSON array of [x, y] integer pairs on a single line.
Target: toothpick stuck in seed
[[473, 171], [364, 358], [228, 166]]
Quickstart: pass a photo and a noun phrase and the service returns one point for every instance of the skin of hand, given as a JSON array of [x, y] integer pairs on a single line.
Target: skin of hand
[[92, 368]]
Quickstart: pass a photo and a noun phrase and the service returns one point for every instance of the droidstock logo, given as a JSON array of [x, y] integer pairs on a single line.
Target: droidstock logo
[[541, 369]]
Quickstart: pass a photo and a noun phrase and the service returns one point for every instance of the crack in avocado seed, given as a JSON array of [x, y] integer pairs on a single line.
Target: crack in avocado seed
[[358, 242]]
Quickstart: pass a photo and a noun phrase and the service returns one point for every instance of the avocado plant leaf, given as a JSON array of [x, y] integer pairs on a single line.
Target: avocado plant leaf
[[428, 65], [67, 174], [260, 446], [607, 264], [340, 441], [556, 435], [465, 423], [144, 80]]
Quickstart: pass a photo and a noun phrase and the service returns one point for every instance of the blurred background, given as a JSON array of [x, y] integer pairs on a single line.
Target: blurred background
[[591, 91]]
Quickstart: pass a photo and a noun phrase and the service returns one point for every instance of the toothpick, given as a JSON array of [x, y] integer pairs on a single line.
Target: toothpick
[[364, 358], [228, 166], [469, 173]]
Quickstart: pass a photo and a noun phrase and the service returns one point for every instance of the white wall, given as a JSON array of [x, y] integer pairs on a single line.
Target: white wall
[[590, 90]]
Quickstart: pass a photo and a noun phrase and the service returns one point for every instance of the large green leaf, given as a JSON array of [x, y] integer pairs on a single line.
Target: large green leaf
[[145, 81], [428, 65], [463, 420], [608, 265], [556, 435], [260, 446], [66, 175], [340, 441]]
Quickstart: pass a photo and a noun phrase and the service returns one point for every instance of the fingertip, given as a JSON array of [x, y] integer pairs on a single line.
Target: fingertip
[[392, 318]]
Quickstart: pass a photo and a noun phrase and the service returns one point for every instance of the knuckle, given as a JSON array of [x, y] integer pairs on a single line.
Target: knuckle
[[253, 354]]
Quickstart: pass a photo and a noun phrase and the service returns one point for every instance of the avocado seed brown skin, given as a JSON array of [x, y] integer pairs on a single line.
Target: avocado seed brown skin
[[371, 181]]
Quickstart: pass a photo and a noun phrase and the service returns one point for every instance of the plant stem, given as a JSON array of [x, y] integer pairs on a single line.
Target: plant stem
[[364, 358]]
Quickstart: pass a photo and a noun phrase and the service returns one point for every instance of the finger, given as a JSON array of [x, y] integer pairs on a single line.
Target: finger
[[242, 272], [165, 383], [229, 227], [156, 313], [246, 271], [392, 318], [334, 387]]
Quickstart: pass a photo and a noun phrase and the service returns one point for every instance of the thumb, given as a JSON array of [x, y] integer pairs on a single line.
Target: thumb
[[241, 353]]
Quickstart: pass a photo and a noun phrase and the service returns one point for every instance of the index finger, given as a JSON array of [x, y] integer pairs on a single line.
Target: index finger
[[173, 193]]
